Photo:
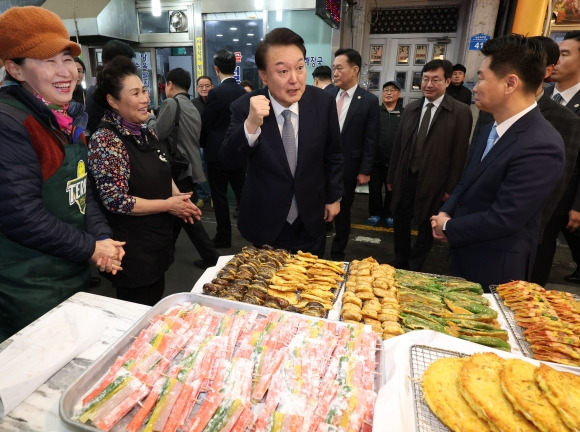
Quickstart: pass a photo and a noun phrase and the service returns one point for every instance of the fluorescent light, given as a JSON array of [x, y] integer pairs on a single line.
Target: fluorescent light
[[156, 8], [219, 35], [236, 40], [279, 15], [250, 34], [233, 28]]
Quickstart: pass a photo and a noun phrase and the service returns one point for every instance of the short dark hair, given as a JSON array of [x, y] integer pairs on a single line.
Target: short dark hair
[[446, 65], [353, 56], [203, 77], [246, 83], [110, 79], [459, 67], [180, 78], [574, 34], [520, 55], [82, 63], [280, 36], [552, 49], [322, 72], [115, 48], [225, 61]]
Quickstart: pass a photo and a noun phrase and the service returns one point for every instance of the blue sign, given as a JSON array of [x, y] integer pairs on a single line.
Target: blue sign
[[476, 41], [237, 74]]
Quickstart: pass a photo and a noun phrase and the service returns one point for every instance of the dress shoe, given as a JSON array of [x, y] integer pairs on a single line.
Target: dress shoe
[[573, 278], [205, 264], [222, 244]]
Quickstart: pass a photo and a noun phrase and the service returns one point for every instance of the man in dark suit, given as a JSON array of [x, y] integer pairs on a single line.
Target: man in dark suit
[[566, 73], [427, 160], [288, 132], [492, 218], [359, 120], [566, 92], [214, 125], [322, 77]]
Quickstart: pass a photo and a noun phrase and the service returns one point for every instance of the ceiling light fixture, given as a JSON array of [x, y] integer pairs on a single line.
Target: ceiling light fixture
[[156, 8]]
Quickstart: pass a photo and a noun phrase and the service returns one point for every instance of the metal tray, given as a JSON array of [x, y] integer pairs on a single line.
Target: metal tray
[[517, 331], [420, 357], [70, 400]]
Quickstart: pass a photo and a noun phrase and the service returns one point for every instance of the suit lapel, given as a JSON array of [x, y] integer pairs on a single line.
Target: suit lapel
[[357, 99]]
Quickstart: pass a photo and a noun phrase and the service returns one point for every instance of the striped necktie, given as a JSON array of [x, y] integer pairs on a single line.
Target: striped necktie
[[557, 97], [289, 141]]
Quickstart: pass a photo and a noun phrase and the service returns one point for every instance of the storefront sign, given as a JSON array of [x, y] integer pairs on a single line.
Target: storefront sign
[[476, 42], [237, 74], [198, 57], [238, 56], [314, 61]]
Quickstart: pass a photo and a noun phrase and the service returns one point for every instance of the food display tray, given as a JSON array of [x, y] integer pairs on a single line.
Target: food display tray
[[70, 400], [420, 357], [510, 319]]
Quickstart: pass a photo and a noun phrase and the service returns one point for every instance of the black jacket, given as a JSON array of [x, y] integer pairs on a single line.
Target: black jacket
[[387, 133]]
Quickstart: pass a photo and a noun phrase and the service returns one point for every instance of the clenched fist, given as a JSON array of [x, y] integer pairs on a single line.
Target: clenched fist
[[259, 108]]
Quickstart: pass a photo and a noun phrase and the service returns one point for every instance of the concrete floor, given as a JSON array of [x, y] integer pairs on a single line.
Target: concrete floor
[[364, 241]]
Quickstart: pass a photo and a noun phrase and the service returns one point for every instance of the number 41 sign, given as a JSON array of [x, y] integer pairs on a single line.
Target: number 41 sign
[[476, 41]]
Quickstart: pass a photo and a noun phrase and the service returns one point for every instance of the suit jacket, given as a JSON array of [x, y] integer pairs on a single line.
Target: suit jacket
[[269, 185], [496, 207], [360, 133], [573, 104], [444, 155], [566, 194], [216, 116]]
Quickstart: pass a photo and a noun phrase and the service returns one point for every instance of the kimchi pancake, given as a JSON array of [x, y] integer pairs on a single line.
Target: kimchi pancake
[[443, 397]]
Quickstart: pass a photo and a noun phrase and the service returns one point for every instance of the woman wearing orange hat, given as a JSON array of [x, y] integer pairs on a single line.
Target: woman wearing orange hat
[[133, 179], [50, 225]]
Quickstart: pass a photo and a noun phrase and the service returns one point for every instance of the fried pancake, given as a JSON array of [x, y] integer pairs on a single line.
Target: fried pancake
[[522, 390], [290, 297], [563, 390], [480, 385], [443, 397]]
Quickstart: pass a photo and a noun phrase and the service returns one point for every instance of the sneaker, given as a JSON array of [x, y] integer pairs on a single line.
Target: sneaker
[[199, 203], [373, 220], [390, 222]]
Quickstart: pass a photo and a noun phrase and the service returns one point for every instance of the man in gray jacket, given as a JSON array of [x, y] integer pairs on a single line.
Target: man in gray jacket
[[189, 128]]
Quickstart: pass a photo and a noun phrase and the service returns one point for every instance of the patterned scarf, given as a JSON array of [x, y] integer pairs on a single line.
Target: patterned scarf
[[60, 113]]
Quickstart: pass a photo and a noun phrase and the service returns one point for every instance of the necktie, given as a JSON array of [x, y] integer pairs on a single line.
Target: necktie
[[420, 140], [289, 141], [557, 98], [490, 141], [340, 102]]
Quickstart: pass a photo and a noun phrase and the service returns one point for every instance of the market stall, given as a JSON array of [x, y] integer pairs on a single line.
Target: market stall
[[401, 402]]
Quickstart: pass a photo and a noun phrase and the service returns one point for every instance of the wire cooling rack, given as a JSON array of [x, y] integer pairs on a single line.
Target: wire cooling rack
[[517, 331], [421, 356]]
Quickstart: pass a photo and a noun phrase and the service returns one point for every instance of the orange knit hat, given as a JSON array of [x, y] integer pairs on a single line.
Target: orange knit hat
[[33, 32]]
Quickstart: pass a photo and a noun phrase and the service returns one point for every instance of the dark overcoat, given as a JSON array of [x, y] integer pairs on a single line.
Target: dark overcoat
[[443, 159]]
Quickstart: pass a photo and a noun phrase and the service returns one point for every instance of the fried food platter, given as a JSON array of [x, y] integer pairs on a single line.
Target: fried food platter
[[301, 282], [455, 391], [545, 324]]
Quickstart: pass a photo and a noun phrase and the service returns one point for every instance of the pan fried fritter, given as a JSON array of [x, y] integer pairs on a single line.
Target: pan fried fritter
[[480, 385], [443, 397], [563, 390], [522, 390]]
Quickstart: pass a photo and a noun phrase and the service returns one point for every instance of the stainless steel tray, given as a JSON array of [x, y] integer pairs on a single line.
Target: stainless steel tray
[[517, 331], [70, 400], [421, 356]]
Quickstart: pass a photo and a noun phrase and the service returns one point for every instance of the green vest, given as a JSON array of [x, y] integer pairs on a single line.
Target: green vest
[[33, 282]]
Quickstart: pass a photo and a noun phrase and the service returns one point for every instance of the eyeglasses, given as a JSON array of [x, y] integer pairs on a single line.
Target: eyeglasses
[[390, 90], [433, 81], [206, 86]]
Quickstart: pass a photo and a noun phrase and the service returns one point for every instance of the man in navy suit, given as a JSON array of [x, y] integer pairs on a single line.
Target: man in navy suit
[[214, 125], [359, 119], [289, 135], [492, 218]]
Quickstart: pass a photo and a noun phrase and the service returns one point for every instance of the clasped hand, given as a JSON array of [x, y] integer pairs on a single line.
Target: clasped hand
[[182, 207], [437, 224], [108, 255]]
